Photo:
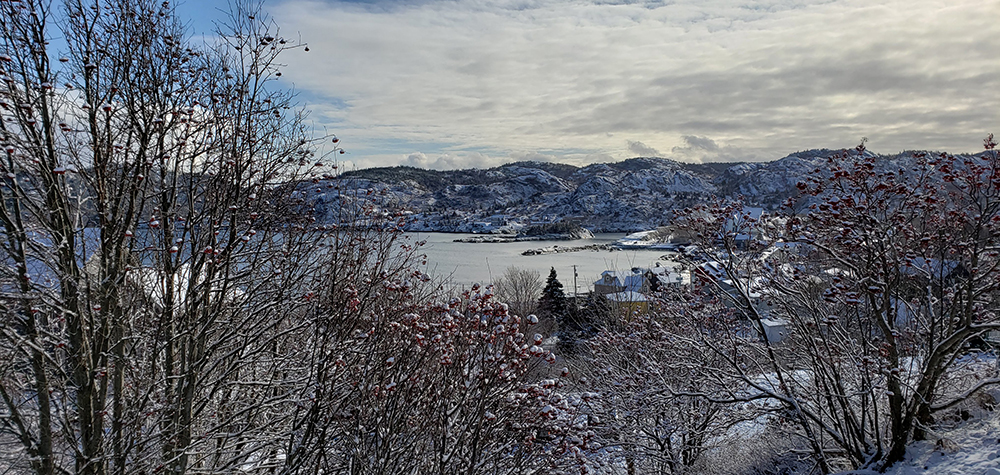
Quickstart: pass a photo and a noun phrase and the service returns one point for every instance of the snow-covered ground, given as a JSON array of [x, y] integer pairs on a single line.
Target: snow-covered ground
[[637, 240], [970, 447]]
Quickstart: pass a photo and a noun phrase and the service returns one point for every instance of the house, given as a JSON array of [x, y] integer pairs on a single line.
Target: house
[[744, 226], [781, 252], [710, 273], [614, 282], [609, 283], [499, 220], [933, 269], [742, 295], [660, 278], [629, 302], [992, 338], [775, 330]]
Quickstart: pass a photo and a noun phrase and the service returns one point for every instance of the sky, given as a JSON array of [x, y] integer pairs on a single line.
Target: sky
[[448, 84]]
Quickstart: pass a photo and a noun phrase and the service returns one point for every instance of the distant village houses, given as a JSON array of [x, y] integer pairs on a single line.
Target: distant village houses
[[630, 291]]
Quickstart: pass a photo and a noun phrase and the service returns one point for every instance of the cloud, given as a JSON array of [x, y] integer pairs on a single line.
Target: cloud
[[699, 143], [640, 149], [703, 149], [453, 160], [416, 159], [480, 81], [464, 159]]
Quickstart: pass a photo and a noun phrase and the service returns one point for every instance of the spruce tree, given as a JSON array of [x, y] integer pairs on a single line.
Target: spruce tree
[[598, 314], [553, 300]]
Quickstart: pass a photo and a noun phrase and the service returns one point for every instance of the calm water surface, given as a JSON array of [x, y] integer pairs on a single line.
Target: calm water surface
[[467, 263]]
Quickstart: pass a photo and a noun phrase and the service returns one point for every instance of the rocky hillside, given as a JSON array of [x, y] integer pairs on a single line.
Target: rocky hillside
[[635, 194]]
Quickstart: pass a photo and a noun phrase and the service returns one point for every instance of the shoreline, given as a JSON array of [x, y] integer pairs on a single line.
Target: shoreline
[[559, 250], [504, 238]]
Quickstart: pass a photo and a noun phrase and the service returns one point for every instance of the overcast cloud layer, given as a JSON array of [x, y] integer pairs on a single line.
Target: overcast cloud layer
[[446, 84]]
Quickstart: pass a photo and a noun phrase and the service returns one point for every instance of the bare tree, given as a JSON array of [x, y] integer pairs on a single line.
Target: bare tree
[[520, 289], [169, 302], [652, 406], [886, 277], [439, 388], [153, 246]]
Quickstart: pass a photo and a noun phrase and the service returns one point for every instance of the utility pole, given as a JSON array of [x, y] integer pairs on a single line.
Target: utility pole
[[576, 290]]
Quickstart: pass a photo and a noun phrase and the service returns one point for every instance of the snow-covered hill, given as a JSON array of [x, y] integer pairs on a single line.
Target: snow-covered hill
[[635, 194]]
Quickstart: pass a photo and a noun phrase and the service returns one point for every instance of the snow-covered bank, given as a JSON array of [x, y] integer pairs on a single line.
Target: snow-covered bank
[[646, 240], [970, 448]]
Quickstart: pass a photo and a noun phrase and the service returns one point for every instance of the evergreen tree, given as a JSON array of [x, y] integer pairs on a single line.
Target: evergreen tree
[[599, 313], [553, 300], [654, 283]]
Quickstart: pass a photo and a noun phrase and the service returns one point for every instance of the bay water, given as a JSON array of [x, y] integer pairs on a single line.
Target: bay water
[[464, 264]]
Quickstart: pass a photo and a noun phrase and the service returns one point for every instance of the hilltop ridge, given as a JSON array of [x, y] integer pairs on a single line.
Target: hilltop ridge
[[634, 194]]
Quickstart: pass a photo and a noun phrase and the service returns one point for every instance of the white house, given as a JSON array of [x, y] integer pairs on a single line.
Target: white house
[[614, 282], [775, 330]]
